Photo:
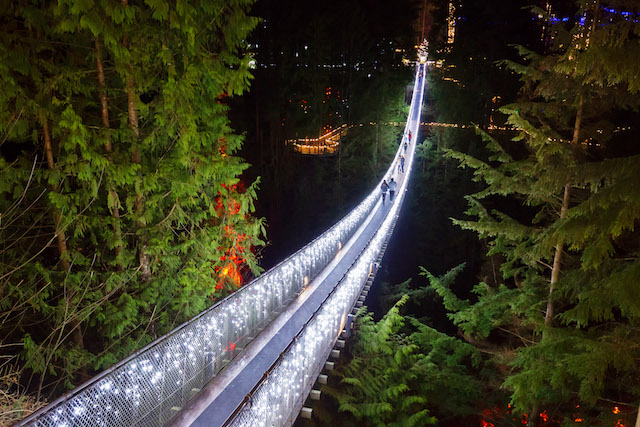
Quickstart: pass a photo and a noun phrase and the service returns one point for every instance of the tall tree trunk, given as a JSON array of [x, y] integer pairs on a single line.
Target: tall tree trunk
[[57, 217], [143, 256], [76, 332], [115, 211], [533, 417], [136, 158], [557, 258], [259, 139], [340, 166], [349, 81]]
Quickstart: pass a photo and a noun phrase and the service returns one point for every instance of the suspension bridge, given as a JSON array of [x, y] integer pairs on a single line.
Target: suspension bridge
[[253, 358]]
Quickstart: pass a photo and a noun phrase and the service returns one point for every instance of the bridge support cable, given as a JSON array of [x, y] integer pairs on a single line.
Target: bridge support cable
[[279, 396]]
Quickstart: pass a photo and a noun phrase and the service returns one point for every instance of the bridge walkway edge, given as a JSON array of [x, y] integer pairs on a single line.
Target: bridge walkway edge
[[228, 389]]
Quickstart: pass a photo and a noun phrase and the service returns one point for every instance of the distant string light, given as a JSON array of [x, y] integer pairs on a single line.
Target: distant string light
[[451, 24]]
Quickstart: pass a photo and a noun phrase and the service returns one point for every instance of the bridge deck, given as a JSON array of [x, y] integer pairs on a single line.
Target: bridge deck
[[217, 402]]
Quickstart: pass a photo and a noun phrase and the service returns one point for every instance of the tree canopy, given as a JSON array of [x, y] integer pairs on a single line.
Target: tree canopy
[[122, 204], [570, 267]]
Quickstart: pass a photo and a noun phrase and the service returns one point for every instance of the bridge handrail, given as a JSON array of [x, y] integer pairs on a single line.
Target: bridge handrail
[[319, 332], [330, 332], [249, 397]]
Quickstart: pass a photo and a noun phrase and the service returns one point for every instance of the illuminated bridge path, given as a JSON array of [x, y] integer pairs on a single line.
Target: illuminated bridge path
[[252, 358]]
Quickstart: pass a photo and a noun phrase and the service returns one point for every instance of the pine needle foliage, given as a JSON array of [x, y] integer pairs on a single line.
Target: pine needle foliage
[[402, 369], [123, 213]]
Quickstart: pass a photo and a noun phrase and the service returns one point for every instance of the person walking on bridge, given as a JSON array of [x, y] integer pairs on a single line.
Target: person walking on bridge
[[392, 189], [402, 163], [383, 189]]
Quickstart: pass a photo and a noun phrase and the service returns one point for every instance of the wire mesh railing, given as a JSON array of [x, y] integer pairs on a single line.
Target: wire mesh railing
[[278, 397]]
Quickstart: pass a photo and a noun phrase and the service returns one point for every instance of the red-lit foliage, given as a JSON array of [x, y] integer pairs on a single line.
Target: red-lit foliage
[[234, 259], [497, 415], [490, 415], [616, 410], [222, 146], [544, 416]]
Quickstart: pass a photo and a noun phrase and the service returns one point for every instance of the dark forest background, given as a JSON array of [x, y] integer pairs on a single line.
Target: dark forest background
[[319, 68]]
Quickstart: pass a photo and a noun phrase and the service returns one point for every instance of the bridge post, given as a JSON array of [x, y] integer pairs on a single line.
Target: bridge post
[[349, 326], [306, 413], [373, 269]]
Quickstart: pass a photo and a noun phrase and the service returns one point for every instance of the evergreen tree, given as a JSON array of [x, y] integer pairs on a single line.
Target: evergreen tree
[[559, 210], [403, 372], [135, 218]]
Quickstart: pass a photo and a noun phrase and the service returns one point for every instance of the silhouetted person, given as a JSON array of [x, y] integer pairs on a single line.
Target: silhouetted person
[[383, 189], [402, 163], [392, 189]]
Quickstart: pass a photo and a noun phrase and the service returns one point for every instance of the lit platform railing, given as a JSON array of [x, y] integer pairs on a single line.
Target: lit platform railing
[[327, 144]]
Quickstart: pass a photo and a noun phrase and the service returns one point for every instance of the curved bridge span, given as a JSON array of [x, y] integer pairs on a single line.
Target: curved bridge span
[[253, 358]]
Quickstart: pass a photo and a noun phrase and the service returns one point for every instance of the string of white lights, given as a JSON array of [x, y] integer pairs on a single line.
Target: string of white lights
[[277, 399]]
